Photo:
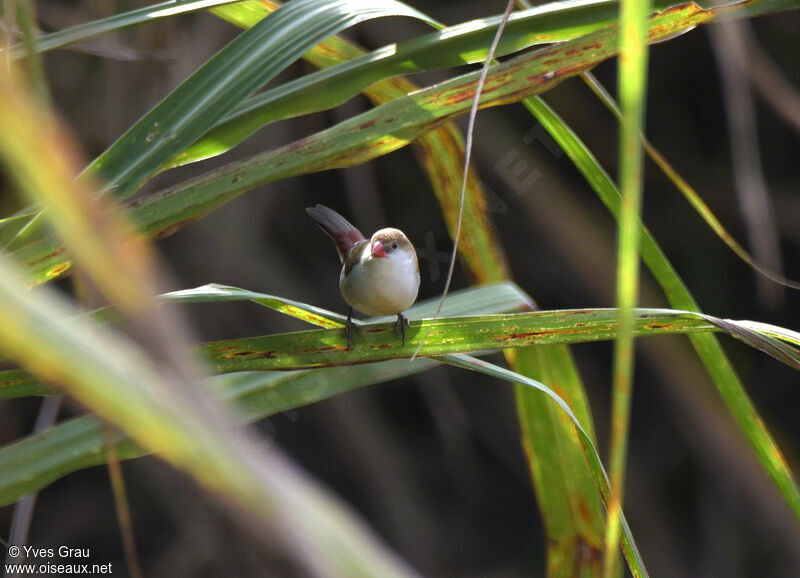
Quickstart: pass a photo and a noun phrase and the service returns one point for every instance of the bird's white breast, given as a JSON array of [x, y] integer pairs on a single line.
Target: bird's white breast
[[382, 285]]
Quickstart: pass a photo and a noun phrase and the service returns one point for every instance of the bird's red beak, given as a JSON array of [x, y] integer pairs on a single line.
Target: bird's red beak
[[378, 250]]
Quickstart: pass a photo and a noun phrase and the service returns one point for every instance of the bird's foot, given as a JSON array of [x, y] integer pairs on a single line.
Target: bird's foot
[[348, 328], [400, 327]]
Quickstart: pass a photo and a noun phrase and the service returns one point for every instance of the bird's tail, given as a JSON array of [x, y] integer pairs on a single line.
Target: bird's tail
[[339, 229]]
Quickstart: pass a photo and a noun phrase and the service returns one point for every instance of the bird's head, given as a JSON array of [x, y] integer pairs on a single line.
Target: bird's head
[[388, 241]]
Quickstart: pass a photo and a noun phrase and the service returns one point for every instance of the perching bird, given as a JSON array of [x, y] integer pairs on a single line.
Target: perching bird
[[380, 276]]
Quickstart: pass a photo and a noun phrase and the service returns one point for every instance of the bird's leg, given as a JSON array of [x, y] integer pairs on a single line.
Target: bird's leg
[[349, 326], [400, 327]]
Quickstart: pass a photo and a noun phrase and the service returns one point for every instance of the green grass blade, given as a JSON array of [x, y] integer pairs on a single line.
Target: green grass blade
[[221, 294], [495, 298], [243, 66], [767, 330], [34, 462], [678, 295], [490, 299], [632, 87], [16, 383], [11, 226], [464, 43], [378, 342], [778, 342], [148, 14], [572, 514], [592, 458]]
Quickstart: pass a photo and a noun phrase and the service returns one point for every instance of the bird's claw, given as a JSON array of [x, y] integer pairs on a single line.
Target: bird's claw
[[348, 327], [400, 327]]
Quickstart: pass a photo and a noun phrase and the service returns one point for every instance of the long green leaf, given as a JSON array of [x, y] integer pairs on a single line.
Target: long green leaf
[[34, 462], [235, 72], [572, 513], [452, 46], [489, 299], [632, 86], [679, 296], [599, 476], [378, 342], [247, 16]]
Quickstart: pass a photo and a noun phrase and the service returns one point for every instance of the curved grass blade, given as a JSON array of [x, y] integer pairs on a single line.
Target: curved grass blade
[[94, 28], [243, 66], [777, 342], [11, 226], [34, 462], [489, 299], [592, 458], [572, 513], [678, 295], [495, 298], [768, 330], [464, 43], [214, 293]]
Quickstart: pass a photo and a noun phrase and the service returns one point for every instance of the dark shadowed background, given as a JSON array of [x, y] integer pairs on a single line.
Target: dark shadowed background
[[434, 462]]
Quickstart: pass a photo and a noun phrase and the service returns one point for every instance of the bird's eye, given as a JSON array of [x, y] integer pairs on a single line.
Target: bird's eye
[[394, 245]]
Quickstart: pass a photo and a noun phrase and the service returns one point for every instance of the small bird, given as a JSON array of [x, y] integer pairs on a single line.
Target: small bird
[[380, 275]]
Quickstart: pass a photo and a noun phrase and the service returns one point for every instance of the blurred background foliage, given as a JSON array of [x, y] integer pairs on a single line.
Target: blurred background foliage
[[434, 462]]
